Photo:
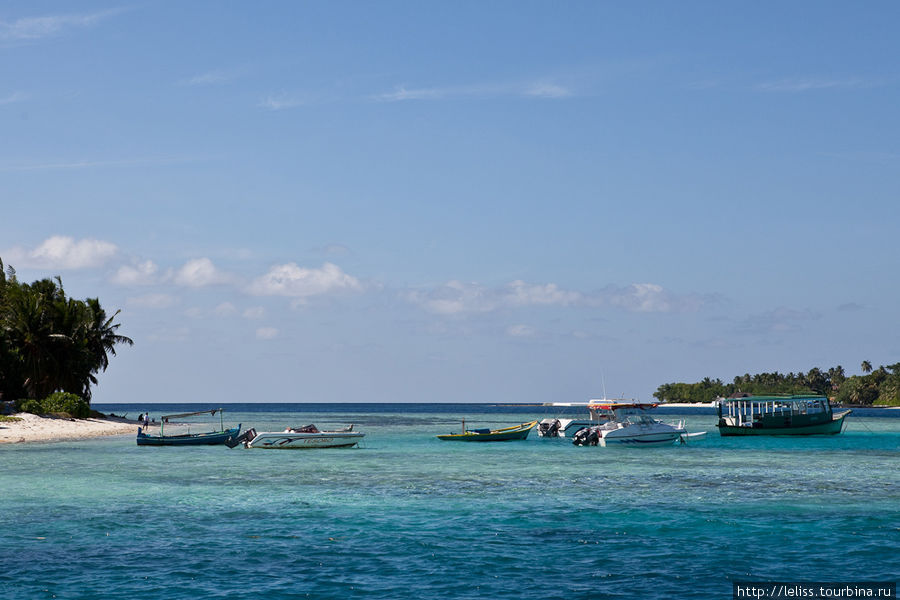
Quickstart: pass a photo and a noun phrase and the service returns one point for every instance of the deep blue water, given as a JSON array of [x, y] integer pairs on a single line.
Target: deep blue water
[[409, 516]]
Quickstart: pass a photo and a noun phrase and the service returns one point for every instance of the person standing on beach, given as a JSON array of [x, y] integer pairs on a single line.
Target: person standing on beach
[[146, 420]]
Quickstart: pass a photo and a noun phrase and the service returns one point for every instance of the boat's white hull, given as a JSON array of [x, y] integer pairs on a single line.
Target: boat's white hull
[[293, 441], [660, 434]]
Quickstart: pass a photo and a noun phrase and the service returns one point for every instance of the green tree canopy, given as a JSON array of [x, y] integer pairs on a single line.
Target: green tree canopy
[[878, 386], [49, 342]]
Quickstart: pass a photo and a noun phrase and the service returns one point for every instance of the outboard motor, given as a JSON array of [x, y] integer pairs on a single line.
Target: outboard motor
[[586, 436], [581, 436], [244, 437], [547, 428]]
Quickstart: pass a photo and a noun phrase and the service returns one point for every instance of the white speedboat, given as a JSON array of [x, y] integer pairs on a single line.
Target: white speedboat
[[294, 438], [627, 424]]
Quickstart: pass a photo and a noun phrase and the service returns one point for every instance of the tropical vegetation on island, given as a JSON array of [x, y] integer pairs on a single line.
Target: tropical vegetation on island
[[879, 386], [52, 347]]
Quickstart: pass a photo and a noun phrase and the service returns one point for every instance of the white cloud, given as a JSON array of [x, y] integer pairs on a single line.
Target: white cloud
[[200, 272], [520, 331], [35, 28], [255, 312], [266, 333], [63, 252], [300, 282], [152, 301], [142, 273]]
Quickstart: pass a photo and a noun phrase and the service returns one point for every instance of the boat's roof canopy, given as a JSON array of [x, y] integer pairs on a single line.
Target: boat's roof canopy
[[774, 398], [192, 414]]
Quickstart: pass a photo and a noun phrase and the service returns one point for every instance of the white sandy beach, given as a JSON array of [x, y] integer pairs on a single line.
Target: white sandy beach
[[33, 428]]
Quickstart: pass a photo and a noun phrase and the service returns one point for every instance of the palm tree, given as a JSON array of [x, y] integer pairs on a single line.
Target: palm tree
[[101, 338], [29, 330], [49, 342], [866, 366]]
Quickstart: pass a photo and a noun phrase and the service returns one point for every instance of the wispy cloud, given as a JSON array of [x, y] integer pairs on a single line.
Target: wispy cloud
[[806, 84], [548, 90], [214, 77], [266, 333], [541, 89], [521, 331], [276, 102], [13, 97], [459, 298], [779, 320], [97, 164], [36, 28], [851, 307], [401, 93]]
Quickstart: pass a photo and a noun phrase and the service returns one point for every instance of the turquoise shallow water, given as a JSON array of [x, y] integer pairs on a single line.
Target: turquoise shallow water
[[409, 516]]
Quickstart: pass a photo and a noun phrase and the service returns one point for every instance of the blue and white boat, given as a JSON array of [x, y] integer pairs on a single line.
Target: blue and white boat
[[208, 438]]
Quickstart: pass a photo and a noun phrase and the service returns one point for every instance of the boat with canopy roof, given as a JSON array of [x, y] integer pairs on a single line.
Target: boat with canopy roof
[[798, 414], [209, 438]]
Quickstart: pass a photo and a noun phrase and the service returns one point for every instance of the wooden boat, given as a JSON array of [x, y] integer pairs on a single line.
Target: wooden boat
[[210, 438], [778, 415], [507, 434], [294, 438]]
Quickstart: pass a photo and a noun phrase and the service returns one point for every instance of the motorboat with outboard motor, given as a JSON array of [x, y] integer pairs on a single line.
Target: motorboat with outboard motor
[[308, 436], [628, 424]]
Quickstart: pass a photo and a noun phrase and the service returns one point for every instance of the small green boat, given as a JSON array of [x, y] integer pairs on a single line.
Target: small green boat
[[778, 415], [517, 432]]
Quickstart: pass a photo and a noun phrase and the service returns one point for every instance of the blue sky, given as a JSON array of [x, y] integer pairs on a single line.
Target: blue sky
[[459, 201]]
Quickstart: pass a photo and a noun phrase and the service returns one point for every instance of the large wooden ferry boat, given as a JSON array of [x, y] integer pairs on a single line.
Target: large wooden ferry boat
[[778, 415]]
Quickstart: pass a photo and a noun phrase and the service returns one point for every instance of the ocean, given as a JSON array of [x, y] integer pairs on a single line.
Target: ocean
[[408, 516]]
